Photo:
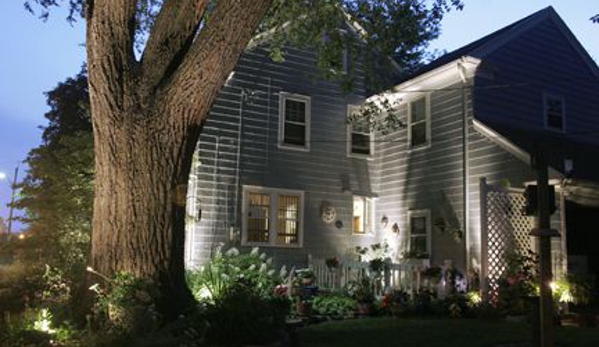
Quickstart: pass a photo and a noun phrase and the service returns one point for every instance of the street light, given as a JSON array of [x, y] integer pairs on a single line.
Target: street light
[[13, 188]]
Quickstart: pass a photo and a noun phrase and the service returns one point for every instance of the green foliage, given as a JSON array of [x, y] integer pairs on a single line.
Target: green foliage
[[57, 191], [225, 269], [20, 286], [361, 290], [334, 305], [125, 305], [517, 283], [242, 315]]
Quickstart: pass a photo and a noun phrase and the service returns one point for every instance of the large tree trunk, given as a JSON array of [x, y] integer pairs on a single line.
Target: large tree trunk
[[139, 209], [147, 117]]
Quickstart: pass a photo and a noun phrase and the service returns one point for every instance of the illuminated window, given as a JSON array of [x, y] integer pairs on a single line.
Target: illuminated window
[[272, 217], [294, 121], [420, 233], [363, 215], [554, 112], [360, 136], [419, 123]]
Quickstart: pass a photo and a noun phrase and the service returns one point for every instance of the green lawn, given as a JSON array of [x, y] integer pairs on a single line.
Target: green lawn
[[389, 332]]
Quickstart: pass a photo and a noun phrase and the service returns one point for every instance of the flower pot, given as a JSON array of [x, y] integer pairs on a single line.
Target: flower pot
[[307, 281], [303, 309]]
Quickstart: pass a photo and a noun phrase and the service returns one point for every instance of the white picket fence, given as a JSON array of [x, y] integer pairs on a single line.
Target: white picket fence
[[404, 276]]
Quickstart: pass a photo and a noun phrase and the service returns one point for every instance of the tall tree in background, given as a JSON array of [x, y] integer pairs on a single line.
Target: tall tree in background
[[57, 192], [148, 113]]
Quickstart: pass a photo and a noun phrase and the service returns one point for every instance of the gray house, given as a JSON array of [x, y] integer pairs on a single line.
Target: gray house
[[279, 167]]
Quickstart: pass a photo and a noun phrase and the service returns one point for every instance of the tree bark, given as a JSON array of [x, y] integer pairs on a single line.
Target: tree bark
[[145, 132]]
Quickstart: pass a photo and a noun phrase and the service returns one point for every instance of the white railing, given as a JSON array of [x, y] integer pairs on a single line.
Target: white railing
[[404, 276]]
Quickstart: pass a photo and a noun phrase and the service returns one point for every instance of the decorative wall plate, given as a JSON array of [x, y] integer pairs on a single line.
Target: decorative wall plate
[[328, 214]]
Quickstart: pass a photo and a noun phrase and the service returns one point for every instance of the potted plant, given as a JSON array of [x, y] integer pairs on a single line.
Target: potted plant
[[305, 276], [361, 291], [303, 307]]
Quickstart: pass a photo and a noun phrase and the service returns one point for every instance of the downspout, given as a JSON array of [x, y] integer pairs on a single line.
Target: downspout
[[465, 164], [242, 97]]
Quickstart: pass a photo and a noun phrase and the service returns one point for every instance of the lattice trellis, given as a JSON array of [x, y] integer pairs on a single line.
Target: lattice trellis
[[505, 227]]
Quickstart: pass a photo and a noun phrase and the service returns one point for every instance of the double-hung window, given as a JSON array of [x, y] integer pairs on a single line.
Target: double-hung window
[[363, 215], [420, 233], [360, 136], [419, 122], [272, 217], [555, 112], [294, 121]]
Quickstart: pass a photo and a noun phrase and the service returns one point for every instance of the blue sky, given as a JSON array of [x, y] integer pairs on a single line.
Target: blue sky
[[36, 56]]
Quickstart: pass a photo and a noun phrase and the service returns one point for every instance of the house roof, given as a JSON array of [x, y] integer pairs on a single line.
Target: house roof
[[484, 46]]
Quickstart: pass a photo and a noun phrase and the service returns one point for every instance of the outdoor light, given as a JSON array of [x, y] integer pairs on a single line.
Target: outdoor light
[[21, 237], [2, 176]]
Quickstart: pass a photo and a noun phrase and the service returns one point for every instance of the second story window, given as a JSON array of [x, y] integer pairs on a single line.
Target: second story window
[[360, 136], [294, 121], [419, 122], [554, 110]]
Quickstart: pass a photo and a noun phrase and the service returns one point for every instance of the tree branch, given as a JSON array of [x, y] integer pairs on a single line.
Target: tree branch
[[171, 36], [213, 56], [110, 58]]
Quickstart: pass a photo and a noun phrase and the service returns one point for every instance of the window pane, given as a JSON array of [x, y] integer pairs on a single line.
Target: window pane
[[288, 220], [554, 115], [554, 122], [295, 134], [295, 111], [418, 134], [258, 215], [418, 109], [358, 224], [360, 143], [418, 226], [418, 244]]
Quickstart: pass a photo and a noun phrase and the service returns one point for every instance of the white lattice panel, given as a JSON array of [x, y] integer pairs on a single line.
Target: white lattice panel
[[507, 229]]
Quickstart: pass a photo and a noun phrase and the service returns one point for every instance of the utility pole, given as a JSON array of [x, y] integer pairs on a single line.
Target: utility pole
[[13, 188], [544, 233]]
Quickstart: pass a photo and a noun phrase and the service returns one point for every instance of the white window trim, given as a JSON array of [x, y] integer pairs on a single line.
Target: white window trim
[[421, 213], [427, 110], [547, 96], [273, 216], [350, 154], [297, 97], [366, 233]]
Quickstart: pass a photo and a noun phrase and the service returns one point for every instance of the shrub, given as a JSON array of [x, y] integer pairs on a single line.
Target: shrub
[[334, 305], [20, 286], [242, 315], [211, 281]]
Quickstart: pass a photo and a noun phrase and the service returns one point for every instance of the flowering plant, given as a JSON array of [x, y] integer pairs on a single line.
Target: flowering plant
[[332, 262]]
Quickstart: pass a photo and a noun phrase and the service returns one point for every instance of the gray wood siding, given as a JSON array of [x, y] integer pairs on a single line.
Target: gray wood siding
[[321, 173], [537, 61], [425, 178]]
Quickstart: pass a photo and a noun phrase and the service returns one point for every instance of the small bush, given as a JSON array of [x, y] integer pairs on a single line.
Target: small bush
[[20, 286], [334, 305], [243, 316]]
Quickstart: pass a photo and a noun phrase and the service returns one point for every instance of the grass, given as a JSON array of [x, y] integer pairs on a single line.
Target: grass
[[390, 332]]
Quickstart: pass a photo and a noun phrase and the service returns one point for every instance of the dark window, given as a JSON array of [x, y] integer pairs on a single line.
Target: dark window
[[418, 123], [361, 138], [554, 112], [419, 235], [294, 132]]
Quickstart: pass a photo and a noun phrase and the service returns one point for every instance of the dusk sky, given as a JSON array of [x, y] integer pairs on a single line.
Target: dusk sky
[[37, 55]]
